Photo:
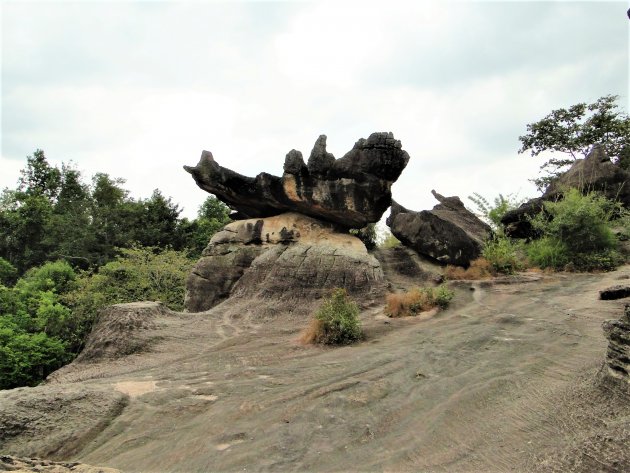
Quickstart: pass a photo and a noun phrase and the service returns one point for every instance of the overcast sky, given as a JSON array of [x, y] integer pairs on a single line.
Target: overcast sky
[[138, 89]]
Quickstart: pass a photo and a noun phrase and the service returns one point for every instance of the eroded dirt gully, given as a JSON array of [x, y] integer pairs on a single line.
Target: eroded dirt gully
[[501, 381]]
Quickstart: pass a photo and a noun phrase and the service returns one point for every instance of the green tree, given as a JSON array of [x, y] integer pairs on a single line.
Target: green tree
[[212, 216], [573, 131]]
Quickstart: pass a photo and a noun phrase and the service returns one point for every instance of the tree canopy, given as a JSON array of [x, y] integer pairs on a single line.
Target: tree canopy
[[573, 131]]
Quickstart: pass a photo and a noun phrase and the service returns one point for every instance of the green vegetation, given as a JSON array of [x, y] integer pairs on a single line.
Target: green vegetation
[[576, 233], [503, 255], [574, 131], [367, 235], [492, 213], [336, 322], [418, 300], [69, 247]]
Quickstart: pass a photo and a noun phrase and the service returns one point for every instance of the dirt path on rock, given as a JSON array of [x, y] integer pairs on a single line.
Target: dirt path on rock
[[475, 388]]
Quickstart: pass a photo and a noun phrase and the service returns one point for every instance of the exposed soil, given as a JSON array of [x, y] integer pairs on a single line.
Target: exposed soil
[[504, 380]]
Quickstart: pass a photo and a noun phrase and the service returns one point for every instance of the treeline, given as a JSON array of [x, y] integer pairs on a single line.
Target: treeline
[[69, 247]]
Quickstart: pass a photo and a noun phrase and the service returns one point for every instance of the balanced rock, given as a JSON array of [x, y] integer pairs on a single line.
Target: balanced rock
[[351, 191], [449, 233], [618, 354], [288, 257], [596, 172]]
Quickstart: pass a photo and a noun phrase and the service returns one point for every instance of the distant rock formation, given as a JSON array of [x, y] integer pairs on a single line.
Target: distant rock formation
[[449, 233], [351, 191], [288, 257], [618, 354], [593, 173]]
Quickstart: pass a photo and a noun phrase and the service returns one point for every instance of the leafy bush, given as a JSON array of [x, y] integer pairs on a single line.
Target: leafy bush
[[492, 213], [336, 322], [576, 234], [137, 274], [418, 300], [503, 255], [7, 272]]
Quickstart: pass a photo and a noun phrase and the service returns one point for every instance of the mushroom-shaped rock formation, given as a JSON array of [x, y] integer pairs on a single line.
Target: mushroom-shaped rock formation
[[449, 233], [351, 191]]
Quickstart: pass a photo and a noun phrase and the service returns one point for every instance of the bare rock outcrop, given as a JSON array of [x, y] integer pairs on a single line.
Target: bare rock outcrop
[[286, 257], [55, 421], [618, 354], [449, 233], [17, 464], [351, 191], [596, 172]]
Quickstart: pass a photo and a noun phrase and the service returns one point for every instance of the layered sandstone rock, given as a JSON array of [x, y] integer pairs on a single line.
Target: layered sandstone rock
[[16, 464], [618, 354], [449, 232], [289, 256], [351, 191]]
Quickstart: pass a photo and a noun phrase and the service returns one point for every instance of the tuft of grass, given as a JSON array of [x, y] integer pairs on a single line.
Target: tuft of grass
[[336, 322], [418, 300]]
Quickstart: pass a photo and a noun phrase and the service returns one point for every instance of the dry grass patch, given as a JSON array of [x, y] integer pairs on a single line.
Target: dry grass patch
[[418, 300], [480, 268]]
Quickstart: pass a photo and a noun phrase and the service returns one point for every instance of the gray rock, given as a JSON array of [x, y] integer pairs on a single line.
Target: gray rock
[[11, 463], [288, 257], [614, 292], [618, 355], [55, 421], [449, 233], [351, 191]]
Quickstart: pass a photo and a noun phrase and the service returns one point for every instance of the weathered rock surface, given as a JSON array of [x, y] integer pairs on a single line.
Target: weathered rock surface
[[351, 191], [55, 421], [449, 233], [16, 464], [285, 257], [614, 292], [593, 173], [618, 354], [118, 328]]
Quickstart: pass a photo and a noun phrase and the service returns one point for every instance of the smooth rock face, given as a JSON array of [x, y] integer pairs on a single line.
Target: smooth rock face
[[618, 354], [288, 256], [351, 191], [449, 233], [594, 173]]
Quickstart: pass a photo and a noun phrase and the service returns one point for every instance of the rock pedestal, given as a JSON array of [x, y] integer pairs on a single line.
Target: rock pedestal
[[286, 257]]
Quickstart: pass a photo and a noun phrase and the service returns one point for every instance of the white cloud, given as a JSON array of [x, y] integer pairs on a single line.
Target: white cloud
[[139, 89]]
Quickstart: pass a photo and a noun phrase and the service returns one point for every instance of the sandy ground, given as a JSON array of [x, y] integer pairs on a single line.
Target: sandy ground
[[504, 380]]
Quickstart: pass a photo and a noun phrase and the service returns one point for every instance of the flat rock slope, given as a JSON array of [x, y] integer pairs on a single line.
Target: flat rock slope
[[509, 378]]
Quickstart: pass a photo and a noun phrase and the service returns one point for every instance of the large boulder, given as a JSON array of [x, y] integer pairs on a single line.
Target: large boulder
[[351, 191], [596, 172], [288, 257], [618, 354], [449, 233]]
